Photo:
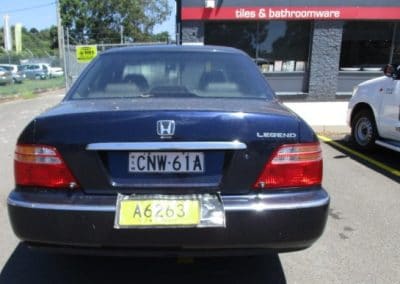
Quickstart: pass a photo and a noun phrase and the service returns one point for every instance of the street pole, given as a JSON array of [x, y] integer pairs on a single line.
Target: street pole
[[60, 33], [122, 34], [393, 43], [67, 63]]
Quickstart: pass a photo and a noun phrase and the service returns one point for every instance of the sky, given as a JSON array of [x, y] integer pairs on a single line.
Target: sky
[[41, 14]]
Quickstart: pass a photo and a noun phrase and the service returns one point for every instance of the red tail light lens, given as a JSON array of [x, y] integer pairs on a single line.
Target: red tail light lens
[[40, 165], [294, 165]]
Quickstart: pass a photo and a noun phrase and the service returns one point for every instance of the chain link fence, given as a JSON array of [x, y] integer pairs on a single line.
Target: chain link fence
[[73, 68], [19, 60]]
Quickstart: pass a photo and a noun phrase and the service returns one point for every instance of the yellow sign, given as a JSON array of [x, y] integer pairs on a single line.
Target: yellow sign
[[159, 212], [18, 38], [85, 53]]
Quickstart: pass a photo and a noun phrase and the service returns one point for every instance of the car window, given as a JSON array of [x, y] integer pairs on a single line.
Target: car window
[[172, 74]]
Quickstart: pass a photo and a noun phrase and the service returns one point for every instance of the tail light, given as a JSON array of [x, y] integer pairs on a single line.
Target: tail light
[[40, 165], [293, 165]]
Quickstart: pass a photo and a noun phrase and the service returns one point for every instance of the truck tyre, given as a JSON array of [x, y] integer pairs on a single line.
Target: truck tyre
[[363, 130]]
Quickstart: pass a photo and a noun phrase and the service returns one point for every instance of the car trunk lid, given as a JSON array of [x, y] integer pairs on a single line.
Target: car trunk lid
[[103, 143]]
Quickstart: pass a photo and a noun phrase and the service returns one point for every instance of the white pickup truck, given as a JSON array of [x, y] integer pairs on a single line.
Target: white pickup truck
[[374, 112]]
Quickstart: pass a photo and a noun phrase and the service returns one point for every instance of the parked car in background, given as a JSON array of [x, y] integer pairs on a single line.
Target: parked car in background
[[42, 71], [56, 72], [169, 150], [17, 74], [374, 111], [5, 76], [36, 71]]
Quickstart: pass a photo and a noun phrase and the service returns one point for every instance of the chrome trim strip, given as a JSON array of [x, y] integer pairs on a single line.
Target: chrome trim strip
[[61, 207], [260, 202], [159, 146]]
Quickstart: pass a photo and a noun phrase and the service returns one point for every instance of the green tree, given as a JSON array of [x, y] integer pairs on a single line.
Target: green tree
[[53, 32], [35, 43], [33, 31], [93, 21]]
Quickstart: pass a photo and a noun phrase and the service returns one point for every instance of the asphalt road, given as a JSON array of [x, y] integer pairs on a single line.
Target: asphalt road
[[360, 244]]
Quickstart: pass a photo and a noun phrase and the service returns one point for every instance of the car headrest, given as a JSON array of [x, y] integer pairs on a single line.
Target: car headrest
[[139, 80]]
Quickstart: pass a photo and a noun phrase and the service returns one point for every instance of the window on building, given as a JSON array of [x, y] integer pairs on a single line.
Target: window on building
[[241, 35], [277, 45], [286, 42], [366, 44]]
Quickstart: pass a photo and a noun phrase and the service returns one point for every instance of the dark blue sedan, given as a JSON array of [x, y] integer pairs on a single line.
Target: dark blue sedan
[[169, 150]]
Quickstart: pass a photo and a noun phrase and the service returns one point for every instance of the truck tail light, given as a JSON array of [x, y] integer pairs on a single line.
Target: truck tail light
[[292, 165], [40, 165]]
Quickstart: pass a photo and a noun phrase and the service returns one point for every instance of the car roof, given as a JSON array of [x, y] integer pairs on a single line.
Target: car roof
[[175, 48]]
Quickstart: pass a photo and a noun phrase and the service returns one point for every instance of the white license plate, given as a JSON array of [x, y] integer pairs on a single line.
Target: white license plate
[[166, 162]]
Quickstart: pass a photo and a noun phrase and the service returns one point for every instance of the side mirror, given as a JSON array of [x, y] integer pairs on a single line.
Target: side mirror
[[392, 71]]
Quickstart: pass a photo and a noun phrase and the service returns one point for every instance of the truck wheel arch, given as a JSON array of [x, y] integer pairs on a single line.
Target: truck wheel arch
[[358, 108]]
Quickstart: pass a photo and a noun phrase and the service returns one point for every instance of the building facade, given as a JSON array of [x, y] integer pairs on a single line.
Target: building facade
[[311, 50]]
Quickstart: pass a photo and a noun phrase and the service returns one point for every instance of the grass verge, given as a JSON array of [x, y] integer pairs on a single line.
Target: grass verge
[[30, 88]]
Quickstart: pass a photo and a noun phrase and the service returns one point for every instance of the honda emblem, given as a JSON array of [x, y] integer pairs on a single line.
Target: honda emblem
[[165, 127]]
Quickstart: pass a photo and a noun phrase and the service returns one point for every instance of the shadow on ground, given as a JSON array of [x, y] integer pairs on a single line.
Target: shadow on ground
[[31, 266]]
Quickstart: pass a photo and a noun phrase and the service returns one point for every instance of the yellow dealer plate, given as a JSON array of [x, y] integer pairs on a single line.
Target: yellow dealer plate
[[85, 53], [133, 212]]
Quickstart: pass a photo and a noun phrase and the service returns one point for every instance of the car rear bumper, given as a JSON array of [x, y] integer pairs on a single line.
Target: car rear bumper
[[277, 222]]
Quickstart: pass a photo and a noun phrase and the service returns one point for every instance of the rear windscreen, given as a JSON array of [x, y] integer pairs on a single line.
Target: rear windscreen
[[172, 74]]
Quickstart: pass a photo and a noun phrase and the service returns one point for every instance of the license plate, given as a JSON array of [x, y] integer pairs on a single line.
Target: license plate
[[165, 211], [158, 212], [166, 162]]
